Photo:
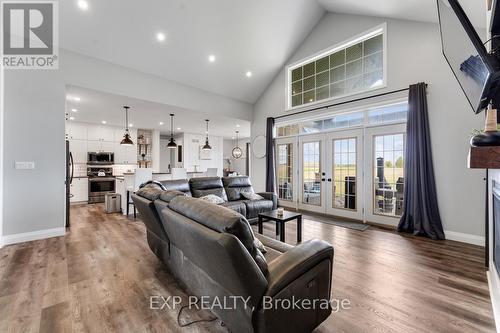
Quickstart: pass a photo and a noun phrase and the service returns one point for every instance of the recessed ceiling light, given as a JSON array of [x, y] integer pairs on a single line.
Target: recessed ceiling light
[[130, 125], [104, 121], [232, 137], [237, 125], [161, 123], [178, 128], [211, 58], [160, 36], [82, 4], [74, 110], [78, 99], [71, 118], [248, 74]]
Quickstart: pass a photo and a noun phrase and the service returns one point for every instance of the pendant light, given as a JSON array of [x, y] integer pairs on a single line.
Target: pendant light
[[207, 145], [237, 152], [127, 141], [172, 144]]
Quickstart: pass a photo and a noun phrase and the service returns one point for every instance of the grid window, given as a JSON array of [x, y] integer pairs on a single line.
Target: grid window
[[311, 173], [355, 69], [285, 171], [344, 173], [388, 174]]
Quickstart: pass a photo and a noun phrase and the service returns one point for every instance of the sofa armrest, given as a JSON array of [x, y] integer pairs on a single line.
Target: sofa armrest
[[270, 196], [296, 262]]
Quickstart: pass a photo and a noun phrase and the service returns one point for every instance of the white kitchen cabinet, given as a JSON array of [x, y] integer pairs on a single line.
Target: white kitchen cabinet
[[120, 189], [79, 190], [131, 153], [76, 131], [100, 133], [78, 149], [125, 154], [100, 146]]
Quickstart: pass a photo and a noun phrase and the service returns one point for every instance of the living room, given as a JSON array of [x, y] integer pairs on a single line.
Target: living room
[[325, 157]]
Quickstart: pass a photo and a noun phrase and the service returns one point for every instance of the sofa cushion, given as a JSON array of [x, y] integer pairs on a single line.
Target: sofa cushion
[[181, 185], [254, 207], [234, 186], [167, 196], [207, 185], [237, 206], [150, 192], [251, 196], [213, 199], [220, 219]]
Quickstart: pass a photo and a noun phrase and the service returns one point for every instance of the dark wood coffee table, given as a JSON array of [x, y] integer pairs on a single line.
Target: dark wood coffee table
[[280, 222]]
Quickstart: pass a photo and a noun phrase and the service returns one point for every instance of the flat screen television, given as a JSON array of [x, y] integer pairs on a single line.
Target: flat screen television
[[476, 70]]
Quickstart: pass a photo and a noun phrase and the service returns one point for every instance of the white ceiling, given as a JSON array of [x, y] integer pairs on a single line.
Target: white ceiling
[[414, 10], [255, 35], [95, 106]]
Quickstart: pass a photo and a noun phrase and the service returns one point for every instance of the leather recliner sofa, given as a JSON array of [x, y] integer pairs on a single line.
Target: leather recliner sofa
[[229, 189], [211, 252]]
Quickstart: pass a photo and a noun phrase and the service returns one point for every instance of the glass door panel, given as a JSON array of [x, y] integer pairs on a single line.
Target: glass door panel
[[385, 161], [312, 175], [285, 171], [345, 174]]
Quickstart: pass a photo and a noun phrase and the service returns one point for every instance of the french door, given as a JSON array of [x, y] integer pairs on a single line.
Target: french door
[[286, 171], [384, 173], [344, 170], [312, 173], [355, 174]]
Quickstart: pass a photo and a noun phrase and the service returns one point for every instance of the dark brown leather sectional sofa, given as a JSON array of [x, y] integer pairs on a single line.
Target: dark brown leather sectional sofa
[[211, 251], [229, 189]]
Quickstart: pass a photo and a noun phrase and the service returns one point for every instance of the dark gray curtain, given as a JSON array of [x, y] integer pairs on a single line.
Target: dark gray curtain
[[421, 212], [270, 175]]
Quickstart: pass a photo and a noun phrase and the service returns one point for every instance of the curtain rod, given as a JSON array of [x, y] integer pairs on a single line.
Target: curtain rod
[[345, 102]]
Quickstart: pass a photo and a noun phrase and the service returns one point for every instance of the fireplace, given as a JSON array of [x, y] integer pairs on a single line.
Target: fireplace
[[496, 225]]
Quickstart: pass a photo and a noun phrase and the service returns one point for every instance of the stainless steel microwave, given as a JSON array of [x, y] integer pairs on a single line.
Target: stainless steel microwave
[[103, 158]]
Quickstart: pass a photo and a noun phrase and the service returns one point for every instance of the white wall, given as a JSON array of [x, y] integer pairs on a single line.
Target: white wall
[[238, 165], [33, 131], [414, 55], [99, 75]]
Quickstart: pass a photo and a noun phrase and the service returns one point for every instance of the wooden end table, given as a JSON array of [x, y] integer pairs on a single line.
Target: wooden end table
[[280, 222]]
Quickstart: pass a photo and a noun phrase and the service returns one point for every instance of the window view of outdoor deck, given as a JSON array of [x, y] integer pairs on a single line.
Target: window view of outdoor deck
[[312, 173], [285, 171], [344, 173], [388, 174]]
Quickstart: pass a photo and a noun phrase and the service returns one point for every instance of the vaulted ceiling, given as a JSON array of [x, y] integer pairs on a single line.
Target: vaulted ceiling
[[256, 36]]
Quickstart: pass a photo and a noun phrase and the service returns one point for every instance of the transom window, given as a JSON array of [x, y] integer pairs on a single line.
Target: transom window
[[386, 114], [353, 67]]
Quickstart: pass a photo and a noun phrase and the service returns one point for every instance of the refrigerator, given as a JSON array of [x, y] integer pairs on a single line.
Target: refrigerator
[[70, 169]]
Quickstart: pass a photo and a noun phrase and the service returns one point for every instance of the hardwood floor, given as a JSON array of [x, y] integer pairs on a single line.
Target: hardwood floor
[[98, 278]]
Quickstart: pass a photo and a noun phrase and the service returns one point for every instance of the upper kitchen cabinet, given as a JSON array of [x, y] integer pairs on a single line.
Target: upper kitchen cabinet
[[100, 146], [76, 131], [100, 133], [125, 154], [78, 149]]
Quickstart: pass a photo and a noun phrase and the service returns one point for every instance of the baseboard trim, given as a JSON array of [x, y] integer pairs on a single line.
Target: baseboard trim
[[465, 238], [33, 235]]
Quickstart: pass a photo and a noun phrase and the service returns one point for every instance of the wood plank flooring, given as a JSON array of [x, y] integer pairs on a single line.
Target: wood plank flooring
[[98, 278]]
